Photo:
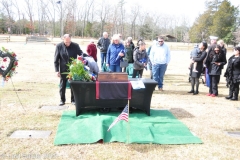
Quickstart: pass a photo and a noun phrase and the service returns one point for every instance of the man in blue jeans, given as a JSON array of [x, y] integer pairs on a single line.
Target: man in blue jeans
[[160, 58], [103, 44]]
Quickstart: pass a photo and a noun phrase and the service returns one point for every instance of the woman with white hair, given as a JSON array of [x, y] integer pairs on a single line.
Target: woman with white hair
[[115, 53]]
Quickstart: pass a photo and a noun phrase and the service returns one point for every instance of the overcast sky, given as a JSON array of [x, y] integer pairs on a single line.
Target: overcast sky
[[189, 8]]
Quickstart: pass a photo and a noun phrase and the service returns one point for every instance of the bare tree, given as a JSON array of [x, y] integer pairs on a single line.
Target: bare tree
[[121, 4], [7, 5], [236, 39], [88, 5], [19, 25], [134, 15], [29, 11], [103, 12]]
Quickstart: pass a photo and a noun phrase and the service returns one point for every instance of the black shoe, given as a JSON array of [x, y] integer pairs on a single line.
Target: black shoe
[[195, 93], [228, 97], [234, 99], [192, 91], [61, 103]]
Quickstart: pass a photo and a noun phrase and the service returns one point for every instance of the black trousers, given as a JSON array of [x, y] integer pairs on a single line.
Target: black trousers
[[214, 80], [234, 89], [137, 72], [62, 90]]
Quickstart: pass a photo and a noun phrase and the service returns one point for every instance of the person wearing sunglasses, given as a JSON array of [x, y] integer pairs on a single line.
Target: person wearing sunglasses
[[232, 75], [160, 58], [214, 63]]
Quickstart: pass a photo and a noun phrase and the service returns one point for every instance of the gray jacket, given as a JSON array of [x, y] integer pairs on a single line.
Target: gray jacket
[[92, 65], [139, 57]]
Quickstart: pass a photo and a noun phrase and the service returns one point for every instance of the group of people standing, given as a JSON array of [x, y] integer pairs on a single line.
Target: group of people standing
[[112, 53], [115, 50], [210, 60], [158, 56]]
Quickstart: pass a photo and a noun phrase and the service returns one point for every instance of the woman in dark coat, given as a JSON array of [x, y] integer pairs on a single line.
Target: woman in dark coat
[[140, 58], [214, 63], [232, 75], [199, 59]]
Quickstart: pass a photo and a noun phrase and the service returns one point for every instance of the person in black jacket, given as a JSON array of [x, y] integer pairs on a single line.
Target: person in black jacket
[[63, 54], [103, 44], [201, 55], [232, 75], [214, 63]]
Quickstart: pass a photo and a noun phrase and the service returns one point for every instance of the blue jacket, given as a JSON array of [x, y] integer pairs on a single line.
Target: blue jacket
[[112, 54]]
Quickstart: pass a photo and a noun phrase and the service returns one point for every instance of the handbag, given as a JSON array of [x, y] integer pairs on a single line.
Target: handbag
[[123, 63], [105, 68]]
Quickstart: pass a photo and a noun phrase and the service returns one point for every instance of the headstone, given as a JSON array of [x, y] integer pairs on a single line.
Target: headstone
[[235, 134], [30, 134], [54, 107]]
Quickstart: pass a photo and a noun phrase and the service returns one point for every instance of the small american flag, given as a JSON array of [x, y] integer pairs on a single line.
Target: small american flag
[[122, 116]]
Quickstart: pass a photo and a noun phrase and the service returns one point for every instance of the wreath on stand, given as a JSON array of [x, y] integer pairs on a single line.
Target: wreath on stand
[[8, 63]]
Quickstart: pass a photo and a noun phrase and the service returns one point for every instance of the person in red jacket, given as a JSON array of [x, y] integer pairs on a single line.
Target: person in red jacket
[[92, 50]]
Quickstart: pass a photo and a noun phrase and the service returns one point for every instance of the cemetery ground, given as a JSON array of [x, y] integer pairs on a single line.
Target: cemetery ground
[[36, 85]]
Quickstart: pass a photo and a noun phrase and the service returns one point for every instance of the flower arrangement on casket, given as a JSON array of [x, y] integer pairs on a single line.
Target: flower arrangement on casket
[[8, 63], [78, 71]]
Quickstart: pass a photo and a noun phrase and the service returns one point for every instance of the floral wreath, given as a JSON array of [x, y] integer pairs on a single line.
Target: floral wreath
[[8, 63]]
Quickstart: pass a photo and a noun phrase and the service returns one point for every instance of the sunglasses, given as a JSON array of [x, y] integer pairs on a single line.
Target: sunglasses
[[160, 41], [216, 50]]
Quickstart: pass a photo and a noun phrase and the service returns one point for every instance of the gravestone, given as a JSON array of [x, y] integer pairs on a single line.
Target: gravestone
[[235, 134], [54, 108], [30, 134]]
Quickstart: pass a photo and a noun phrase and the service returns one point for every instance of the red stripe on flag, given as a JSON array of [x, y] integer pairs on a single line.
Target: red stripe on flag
[[97, 89]]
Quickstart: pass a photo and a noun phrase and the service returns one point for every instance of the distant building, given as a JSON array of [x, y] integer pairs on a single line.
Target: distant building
[[169, 38]]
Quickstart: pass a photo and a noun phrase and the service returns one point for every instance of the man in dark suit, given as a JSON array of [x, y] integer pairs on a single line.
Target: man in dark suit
[[63, 54]]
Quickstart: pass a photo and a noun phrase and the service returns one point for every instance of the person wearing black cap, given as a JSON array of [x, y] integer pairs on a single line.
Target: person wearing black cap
[[232, 75]]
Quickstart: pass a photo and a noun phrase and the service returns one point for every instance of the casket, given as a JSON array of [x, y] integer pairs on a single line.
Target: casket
[[112, 77]]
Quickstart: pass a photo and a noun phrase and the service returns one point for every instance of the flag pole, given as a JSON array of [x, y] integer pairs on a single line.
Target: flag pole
[[128, 128]]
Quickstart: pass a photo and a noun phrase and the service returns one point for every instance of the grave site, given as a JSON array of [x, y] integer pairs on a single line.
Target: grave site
[[179, 125]]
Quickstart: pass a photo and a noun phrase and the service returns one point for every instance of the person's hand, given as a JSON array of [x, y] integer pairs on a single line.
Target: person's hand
[[193, 61], [58, 74], [144, 64], [217, 63], [107, 65], [121, 54]]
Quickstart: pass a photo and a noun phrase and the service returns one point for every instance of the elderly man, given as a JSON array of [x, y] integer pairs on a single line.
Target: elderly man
[[63, 54], [103, 44], [160, 58]]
